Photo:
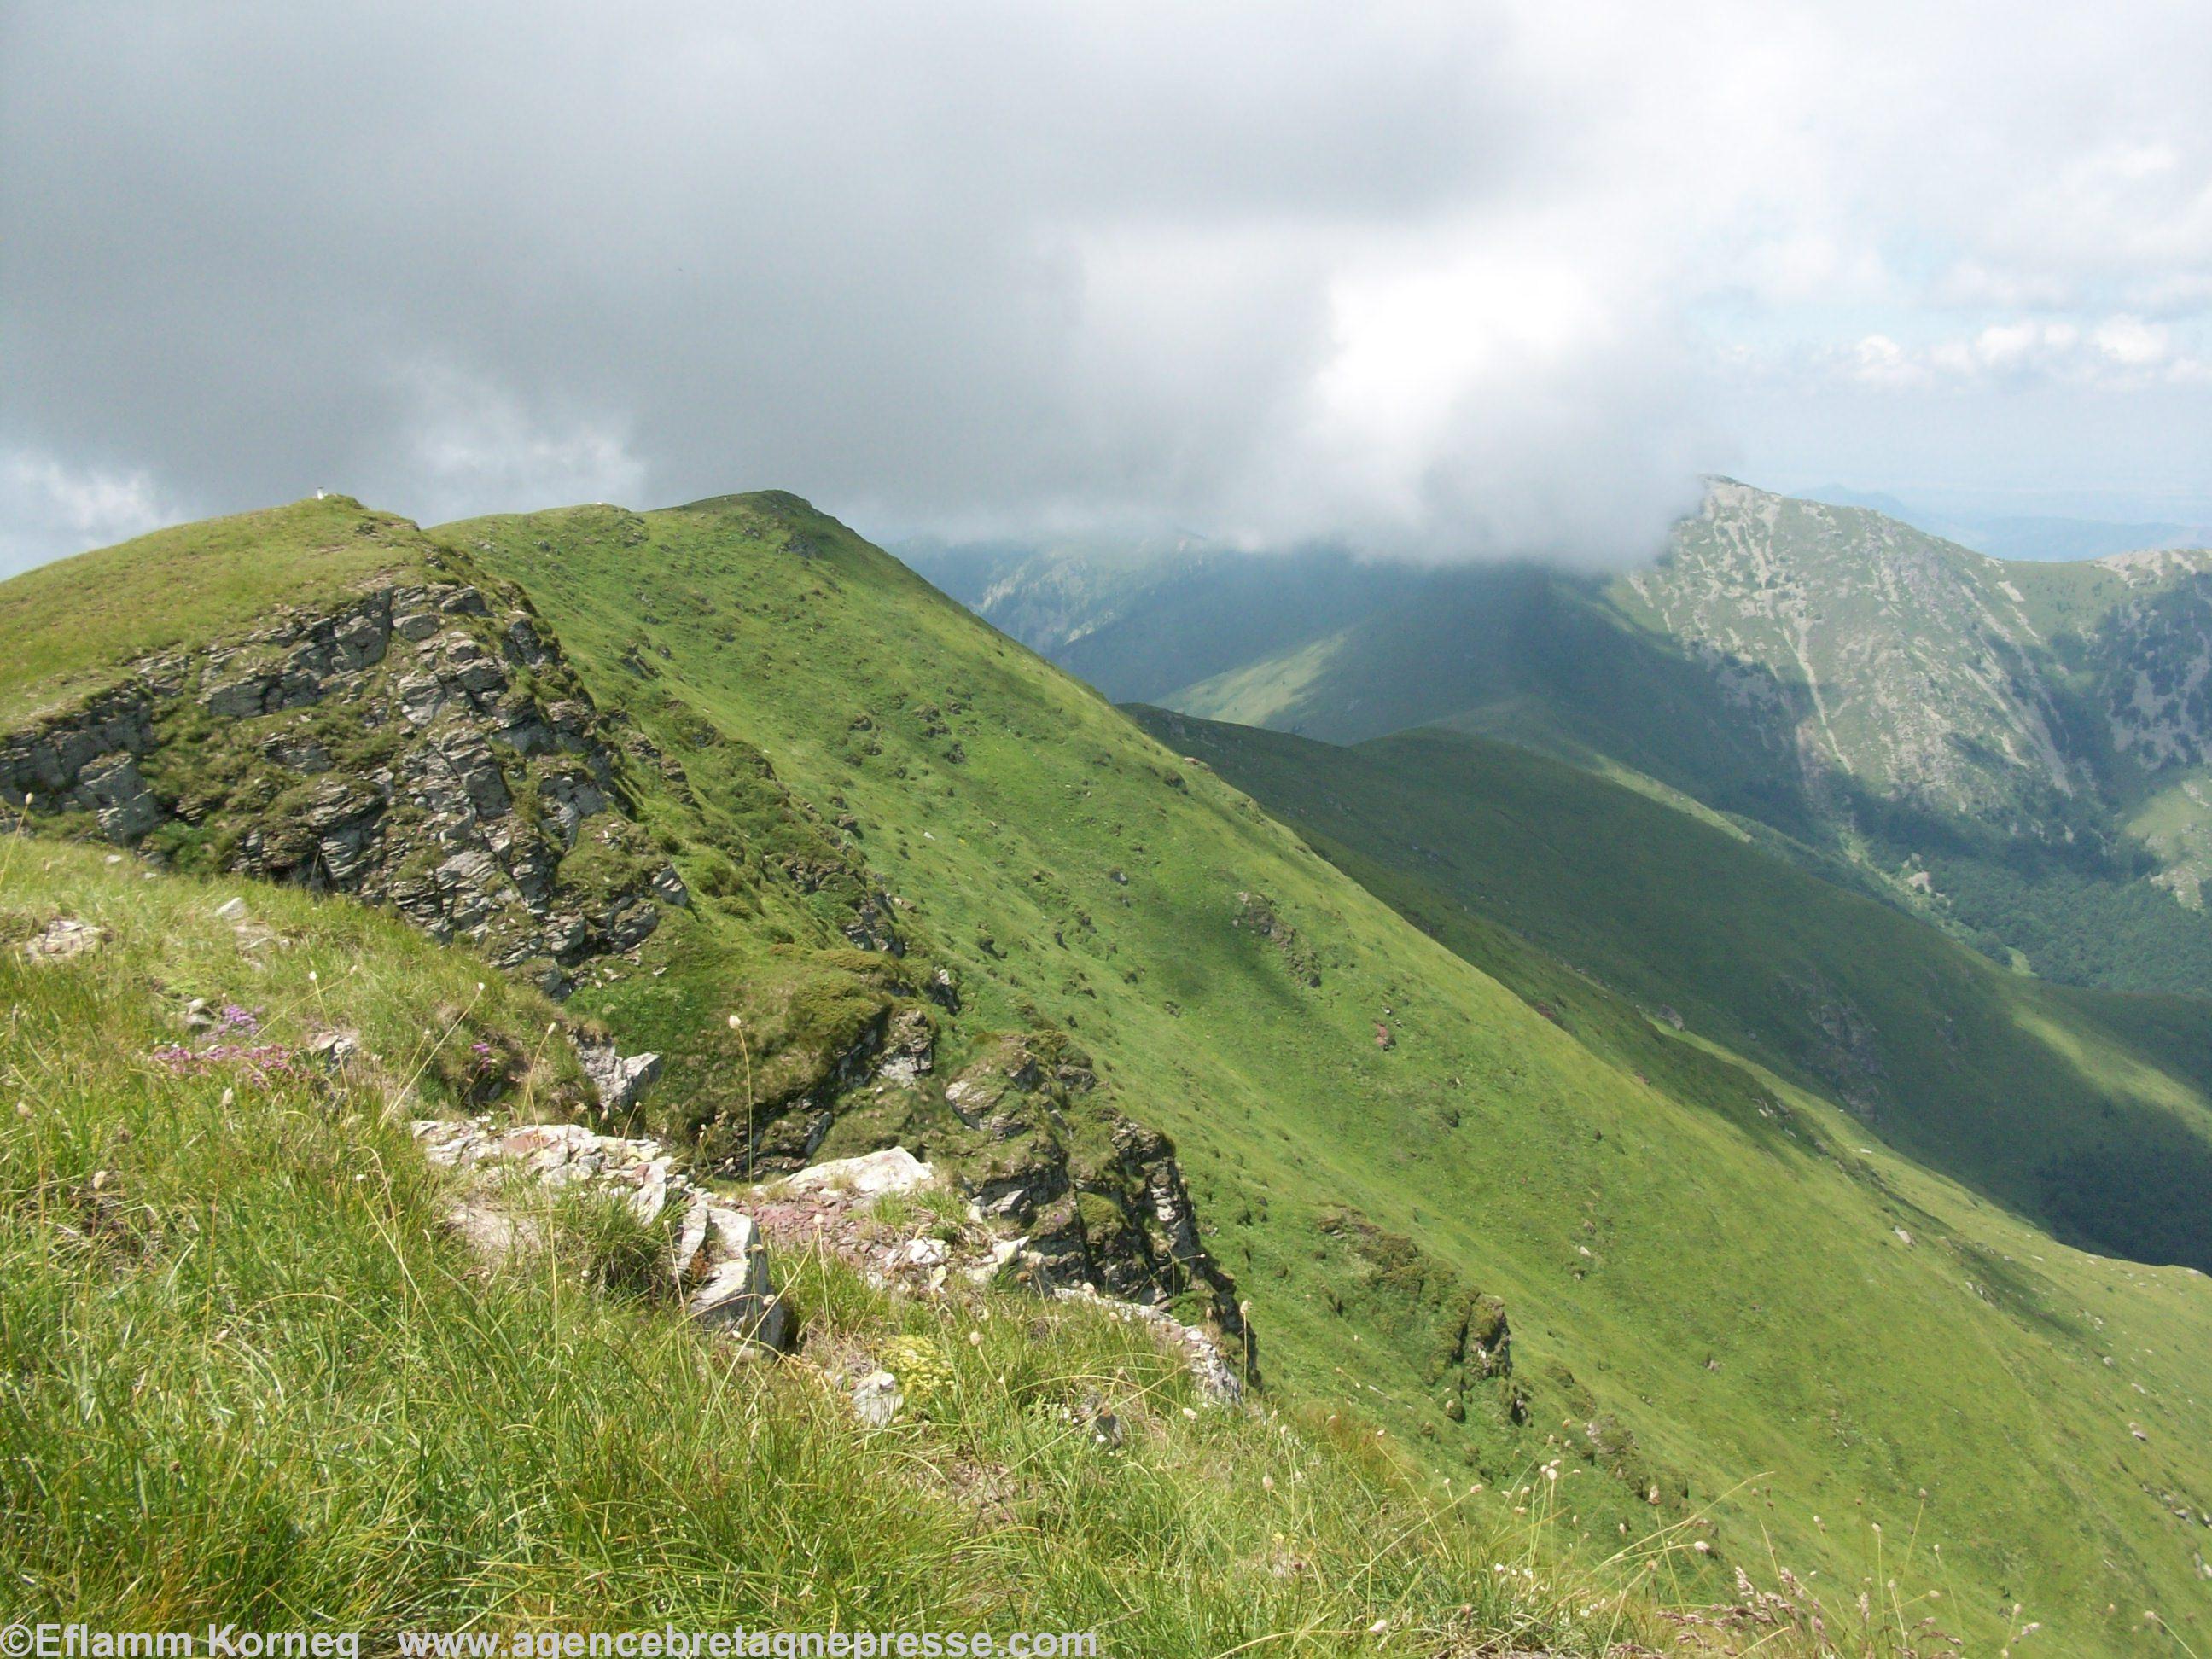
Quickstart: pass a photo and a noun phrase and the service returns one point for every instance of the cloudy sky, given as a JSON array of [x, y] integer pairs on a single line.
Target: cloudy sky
[[1458, 280]]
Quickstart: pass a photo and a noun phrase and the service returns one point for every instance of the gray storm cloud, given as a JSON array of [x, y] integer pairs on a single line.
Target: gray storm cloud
[[1424, 279]]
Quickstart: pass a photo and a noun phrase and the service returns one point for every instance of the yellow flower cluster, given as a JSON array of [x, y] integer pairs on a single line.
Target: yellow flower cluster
[[921, 1368]]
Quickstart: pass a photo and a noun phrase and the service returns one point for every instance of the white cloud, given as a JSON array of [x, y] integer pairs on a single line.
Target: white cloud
[[473, 443], [2132, 343], [49, 506], [2115, 353], [1477, 278], [1879, 361]]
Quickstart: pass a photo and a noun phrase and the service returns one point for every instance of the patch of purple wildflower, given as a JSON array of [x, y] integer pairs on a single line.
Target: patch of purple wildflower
[[261, 1062]]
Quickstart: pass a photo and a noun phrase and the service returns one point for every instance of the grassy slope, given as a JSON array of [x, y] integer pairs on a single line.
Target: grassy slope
[[250, 1376], [1729, 1289], [1571, 670], [193, 582], [2083, 1108], [1540, 659]]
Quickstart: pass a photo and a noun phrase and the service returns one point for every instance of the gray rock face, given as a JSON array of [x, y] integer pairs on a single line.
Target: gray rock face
[[42, 766], [398, 714], [125, 808], [1141, 1245], [619, 1081]]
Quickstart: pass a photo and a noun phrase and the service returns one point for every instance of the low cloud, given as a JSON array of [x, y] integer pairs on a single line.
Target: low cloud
[[2116, 354], [1454, 282], [48, 505]]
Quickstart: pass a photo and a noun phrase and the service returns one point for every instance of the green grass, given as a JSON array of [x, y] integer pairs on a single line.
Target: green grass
[[1831, 680], [1745, 1313], [249, 1375], [1707, 1289], [2052, 1100], [192, 583]]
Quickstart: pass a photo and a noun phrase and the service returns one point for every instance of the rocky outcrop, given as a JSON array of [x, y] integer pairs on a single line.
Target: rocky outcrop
[[718, 1261], [1100, 1198], [63, 937], [719, 1256], [835, 1206], [421, 745], [1257, 914], [44, 764], [1450, 1334]]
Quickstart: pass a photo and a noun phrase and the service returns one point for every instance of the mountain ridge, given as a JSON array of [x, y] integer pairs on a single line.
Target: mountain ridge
[[1374, 1135], [2015, 752]]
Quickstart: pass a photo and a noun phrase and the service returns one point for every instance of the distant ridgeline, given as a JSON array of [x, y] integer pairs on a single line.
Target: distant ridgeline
[[2017, 752]]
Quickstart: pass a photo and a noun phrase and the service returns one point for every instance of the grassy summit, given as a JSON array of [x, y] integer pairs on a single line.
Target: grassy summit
[[1723, 1292], [65, 626]]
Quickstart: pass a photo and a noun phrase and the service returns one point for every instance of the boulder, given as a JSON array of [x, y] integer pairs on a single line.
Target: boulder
[[735, 1293], [893, 1170], [618, 1079], [877, 1399]]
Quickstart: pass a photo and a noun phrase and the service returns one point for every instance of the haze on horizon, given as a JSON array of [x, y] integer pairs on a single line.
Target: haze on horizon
[[1466, 282]]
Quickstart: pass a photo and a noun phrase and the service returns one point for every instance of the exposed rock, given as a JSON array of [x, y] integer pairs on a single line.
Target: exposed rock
[[1447, 1329], [1216, 1381], [734, 1292], [493, 1235], [877, 1399], [1256, 914], [619, 1081], [893, 1170], [1122, 1219], [908, 1050], [63, 937], [399, 706], [334, 1048], [126, 810], [718, 1258], [41, 766]]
